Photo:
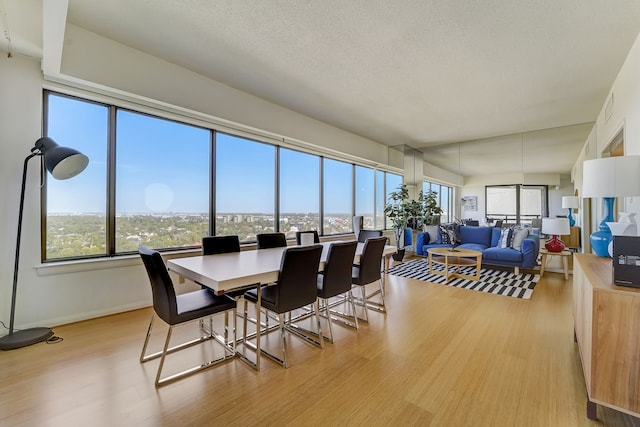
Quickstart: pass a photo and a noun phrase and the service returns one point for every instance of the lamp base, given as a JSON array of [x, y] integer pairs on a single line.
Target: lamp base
[[554, 244], [24, 338]]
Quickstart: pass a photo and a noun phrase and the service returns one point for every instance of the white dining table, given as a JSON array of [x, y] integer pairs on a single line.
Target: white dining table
[[223, 273]]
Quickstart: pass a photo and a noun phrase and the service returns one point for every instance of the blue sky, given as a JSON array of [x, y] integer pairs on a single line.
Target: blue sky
[[163, 166]]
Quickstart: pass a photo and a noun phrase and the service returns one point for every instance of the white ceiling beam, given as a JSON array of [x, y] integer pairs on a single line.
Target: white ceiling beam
[[54, 21]]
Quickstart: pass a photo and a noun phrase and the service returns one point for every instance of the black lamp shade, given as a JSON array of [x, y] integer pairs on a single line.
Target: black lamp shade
[[62, 162]]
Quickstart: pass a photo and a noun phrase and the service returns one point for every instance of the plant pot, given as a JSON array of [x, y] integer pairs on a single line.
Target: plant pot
[[399, 255]]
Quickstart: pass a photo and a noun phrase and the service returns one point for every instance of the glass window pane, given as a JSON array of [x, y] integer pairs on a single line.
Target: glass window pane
[[338, 197], [245, 187], [531, 203], [365, 179], [162, 183], [76, 207], [501, 203], [380, 200], [299, 192], [444, 203]]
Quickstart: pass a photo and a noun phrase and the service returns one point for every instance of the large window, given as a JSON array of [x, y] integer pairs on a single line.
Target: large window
[[337, 197], [166, 184], [245, 187], [299, 192], [516, 204], [444, 195], [76, 208], [162, 183]]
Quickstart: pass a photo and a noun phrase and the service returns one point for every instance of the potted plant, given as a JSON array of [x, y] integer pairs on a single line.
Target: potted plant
[[398, 210], [430, 213]]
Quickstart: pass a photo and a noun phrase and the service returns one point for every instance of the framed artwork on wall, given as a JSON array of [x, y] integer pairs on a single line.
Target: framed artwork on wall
[[469, 203]]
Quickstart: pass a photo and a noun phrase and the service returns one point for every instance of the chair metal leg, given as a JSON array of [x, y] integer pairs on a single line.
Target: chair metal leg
[[316, 307], [146, 340], [284, 341], [164, 354], [364, 304], [229, 351], [328, 312], [353, 309]]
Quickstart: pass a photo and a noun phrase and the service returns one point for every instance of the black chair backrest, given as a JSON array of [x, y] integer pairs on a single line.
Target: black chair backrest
[[164, 295], [498, 223], [370, 260], [366, 234], [298, 280], [472, 222], [213, 245], [336, 277], [316, 238], [271, 240]]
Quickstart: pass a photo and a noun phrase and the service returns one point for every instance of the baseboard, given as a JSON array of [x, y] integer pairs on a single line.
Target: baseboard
[[78, 317]]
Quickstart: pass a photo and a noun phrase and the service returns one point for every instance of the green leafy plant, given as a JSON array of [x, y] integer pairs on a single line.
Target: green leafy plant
[[399, 209], [430, 210]]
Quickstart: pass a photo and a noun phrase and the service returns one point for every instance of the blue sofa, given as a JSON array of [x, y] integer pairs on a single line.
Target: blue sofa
[[487, 241]]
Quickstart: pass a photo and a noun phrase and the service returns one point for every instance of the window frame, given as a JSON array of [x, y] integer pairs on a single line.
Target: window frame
[[214, 129]]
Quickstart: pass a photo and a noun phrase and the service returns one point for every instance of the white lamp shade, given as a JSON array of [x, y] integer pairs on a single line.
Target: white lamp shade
[[570, 202], [611, 177], [555, 226]]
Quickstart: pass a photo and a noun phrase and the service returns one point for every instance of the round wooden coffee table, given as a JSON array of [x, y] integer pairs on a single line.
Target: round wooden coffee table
[[450, 257]]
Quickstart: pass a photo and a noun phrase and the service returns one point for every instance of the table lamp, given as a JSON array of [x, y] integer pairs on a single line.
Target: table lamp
[[609, 177], [571, 203], [555, 227]]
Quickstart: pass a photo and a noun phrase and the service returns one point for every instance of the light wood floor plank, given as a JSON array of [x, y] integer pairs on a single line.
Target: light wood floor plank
[[441, 356]]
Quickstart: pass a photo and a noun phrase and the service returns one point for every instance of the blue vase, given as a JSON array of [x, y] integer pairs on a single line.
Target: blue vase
[[600, 239], [572, 221]]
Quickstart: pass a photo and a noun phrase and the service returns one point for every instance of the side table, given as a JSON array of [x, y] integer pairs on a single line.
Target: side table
[[564, 254]]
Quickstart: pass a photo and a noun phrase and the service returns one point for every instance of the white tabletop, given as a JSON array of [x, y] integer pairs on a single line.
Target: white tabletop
[[225, 272]]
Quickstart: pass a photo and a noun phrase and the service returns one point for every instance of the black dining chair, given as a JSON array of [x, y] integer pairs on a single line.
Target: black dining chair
[[296, 288], [176, 310], [214, 245], [498, 223], [271, 240], [316, 238], [363, 235], [368, 271], [335, 280]]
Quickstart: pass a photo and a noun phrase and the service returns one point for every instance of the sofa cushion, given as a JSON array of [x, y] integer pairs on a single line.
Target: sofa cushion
[[472, 246], [478, 235], [519, 234], [495, 236], [506, 234], [502, 254], [432, 230]]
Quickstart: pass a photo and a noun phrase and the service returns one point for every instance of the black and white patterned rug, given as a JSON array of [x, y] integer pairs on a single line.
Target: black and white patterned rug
[[497, 282]]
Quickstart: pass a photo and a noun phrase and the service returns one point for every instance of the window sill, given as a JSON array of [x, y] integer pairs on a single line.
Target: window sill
[[76, 266]]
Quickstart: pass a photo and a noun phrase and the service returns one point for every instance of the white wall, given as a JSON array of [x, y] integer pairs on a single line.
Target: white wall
[[621, 109]]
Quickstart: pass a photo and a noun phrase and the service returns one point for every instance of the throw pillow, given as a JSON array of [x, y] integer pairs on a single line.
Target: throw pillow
[[433, 233], [518, 236], [505, 237], [449, 234], [445, 236]]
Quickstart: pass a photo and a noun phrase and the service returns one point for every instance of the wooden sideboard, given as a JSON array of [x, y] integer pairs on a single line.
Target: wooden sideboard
[[607, 329]]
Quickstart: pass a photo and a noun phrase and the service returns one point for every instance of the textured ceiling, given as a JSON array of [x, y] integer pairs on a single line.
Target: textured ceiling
[[419, 72]]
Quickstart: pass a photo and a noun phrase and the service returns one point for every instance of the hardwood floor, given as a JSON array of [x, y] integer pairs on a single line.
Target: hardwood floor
[[441, 356]]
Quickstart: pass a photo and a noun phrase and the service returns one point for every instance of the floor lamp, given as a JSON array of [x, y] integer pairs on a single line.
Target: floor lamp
[[63, 163]]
